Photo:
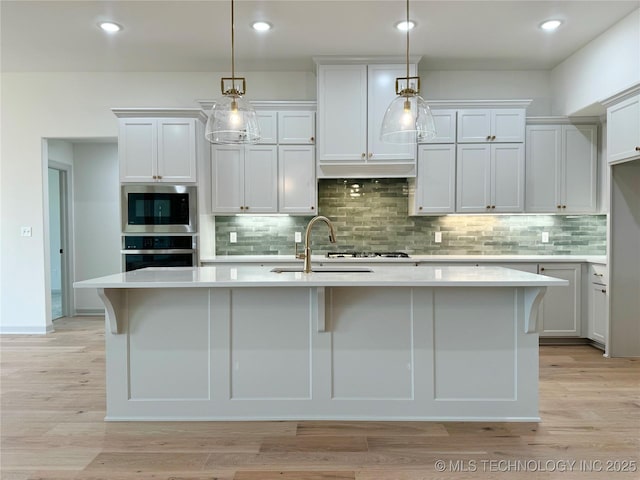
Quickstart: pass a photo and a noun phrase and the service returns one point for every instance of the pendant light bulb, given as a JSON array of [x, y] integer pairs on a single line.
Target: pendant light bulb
[[232, 120]]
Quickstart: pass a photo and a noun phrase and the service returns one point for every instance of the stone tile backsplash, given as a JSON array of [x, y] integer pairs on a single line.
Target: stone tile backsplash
[[372, 215]]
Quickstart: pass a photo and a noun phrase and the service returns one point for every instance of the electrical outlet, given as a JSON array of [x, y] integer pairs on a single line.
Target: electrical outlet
[[233, 237], [25, 231], [298, 237], [545, 237], [438, 237]]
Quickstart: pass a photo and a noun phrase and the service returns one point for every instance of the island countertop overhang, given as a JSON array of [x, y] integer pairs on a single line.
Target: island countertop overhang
[[251, 276]]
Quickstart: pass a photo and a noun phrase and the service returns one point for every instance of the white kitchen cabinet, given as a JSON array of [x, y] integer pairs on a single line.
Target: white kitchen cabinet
[[296, 127], [445, 123], [268, 124], [297, 186], [433, 190], [352, 101], [244, 179], [157, 150], [499, 125], [598, 318], [623, 130], [561, 168], [490, 178], [559, 314]]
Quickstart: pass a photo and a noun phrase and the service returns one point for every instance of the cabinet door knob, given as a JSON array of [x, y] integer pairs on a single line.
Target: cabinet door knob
[[363, 155], [313, 139], [558, 206], [493, 137], [542, 269], [493, 206], [564, 206], [370, 155], [488, 206], [603, 291], [246, 208], [488, 137], [312, 207], [155, 177], [637, 149], [241, 207], [419, 208]]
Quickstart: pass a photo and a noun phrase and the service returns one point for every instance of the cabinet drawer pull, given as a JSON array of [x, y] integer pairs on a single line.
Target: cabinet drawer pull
[[637, 149], [603, 291], [599, 274]]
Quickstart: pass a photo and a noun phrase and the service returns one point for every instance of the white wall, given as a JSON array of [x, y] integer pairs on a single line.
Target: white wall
[[605, 66], [96, 214], [489, 85], [68, 105]]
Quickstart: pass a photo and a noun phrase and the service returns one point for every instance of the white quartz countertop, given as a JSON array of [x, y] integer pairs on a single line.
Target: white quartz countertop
[[322, 259], [262, 276]]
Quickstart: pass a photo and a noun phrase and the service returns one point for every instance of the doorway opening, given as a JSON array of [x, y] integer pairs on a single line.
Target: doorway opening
[[59, 248]]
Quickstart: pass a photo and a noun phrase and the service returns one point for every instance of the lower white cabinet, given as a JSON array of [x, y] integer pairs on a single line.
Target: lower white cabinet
[[490, 178], [433, 190], [244, 179], [560, 314], [598, 318]]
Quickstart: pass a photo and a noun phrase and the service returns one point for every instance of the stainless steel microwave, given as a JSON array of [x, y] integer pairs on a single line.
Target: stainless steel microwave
[[158, 209]]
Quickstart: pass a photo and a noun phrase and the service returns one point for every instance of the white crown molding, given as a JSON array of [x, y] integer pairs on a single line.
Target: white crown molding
[[627, 92], [269, 104], [519, 103], [563, 120], [126, 112], [350, 59]]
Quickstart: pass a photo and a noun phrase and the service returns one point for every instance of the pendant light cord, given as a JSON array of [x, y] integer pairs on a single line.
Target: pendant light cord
[[233, 70], [407, 86]]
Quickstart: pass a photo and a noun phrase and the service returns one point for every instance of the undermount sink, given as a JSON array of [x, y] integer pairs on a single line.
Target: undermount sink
[[324, 269]]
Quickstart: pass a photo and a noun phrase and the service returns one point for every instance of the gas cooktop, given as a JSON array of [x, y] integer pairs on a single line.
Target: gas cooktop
[[367, 254]]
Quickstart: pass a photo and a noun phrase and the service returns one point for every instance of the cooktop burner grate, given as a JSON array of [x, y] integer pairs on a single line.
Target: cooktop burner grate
[[367, 254]]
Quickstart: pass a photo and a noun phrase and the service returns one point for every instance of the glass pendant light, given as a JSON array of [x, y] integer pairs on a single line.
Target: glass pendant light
[[408, 119], [232, 120]]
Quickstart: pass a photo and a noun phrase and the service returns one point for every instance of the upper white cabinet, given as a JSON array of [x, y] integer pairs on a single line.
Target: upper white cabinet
[[275, 176], [623, 130], [352, 101], [268, 124], [490, 178], [500, 125], [297, 186], [296, 127], [561, 168], [445, 122], [157, 150], [244, 179], [433, 190]]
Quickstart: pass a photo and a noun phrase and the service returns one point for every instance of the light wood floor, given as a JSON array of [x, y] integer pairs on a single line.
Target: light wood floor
[[53, 401]]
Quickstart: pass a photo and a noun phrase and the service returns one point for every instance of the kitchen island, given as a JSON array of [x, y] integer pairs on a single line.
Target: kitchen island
[[394, 343]]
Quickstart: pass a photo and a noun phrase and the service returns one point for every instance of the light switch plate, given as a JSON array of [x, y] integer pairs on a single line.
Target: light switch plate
[[438, 237], [545, 237], [25, 231], [233, 237]]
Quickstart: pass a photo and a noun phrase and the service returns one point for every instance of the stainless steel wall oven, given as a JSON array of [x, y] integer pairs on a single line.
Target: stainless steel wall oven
[[141, 251]]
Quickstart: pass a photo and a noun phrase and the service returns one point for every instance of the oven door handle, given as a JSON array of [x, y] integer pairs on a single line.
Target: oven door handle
[[158, 251]]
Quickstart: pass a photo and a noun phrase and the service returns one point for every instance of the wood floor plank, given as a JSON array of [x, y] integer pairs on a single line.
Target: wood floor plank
[[315, 443], [293, 475]]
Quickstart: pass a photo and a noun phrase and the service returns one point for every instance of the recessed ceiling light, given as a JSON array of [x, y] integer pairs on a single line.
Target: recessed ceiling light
[[404, 26], [550, 25], [110, 27], [261, 26]]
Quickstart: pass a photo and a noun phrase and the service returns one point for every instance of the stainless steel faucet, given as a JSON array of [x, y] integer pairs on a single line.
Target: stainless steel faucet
[[307, 241]]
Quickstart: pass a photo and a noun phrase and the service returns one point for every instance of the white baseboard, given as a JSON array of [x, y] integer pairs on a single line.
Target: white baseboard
[[22, 330]]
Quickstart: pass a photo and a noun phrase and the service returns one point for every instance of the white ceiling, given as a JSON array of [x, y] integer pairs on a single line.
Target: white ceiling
[[183, 35]]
